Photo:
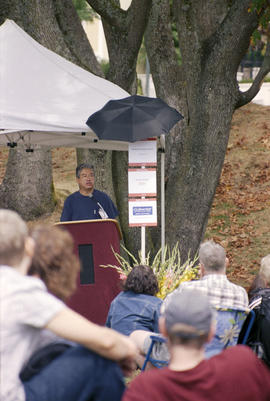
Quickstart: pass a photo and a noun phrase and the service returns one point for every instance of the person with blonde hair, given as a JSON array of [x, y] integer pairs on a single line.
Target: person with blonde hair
[[89, 370], [265, 268], [259, 302]]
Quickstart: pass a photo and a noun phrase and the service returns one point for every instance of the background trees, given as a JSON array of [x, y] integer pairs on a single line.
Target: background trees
[[212, 43]]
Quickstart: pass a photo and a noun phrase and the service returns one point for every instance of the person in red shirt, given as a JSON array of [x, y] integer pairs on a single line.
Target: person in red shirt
[[235, 374]]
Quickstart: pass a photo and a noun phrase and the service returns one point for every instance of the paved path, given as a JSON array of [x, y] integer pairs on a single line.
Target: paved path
[[263, 97]]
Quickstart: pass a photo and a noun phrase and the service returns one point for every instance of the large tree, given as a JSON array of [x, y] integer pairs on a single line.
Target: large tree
[[213, 38]]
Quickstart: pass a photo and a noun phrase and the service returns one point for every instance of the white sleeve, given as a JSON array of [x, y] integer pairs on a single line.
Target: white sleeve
[[33, 305]]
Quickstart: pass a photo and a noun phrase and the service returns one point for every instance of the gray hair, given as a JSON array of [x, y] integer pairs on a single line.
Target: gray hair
[[81, 167], [265, 268], [212, 256], [13, 233]]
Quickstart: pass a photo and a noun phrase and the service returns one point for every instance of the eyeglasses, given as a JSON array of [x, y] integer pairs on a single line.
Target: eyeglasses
[[92, 175]]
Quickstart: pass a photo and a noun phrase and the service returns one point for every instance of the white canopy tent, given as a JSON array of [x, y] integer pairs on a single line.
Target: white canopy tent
[[45, 99]]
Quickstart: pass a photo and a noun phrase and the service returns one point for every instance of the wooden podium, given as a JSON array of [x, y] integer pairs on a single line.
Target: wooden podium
[[97, 286]]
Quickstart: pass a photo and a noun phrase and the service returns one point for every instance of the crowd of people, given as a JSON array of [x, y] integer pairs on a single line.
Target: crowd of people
[[51, 353]]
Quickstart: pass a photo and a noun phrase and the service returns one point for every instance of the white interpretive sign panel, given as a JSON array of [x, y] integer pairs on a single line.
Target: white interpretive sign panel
[[142, 182], [142, 212], [142, 153]]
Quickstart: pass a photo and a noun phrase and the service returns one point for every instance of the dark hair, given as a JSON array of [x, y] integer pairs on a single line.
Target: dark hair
[[81, 167], [54, 260], [141, 280]]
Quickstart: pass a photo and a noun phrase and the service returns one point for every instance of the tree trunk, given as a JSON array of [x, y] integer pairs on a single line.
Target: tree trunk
[[18, 191], [204, 89], [124, 32]]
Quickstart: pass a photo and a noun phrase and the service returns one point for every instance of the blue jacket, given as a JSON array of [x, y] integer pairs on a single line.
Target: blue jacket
[[130, 311]]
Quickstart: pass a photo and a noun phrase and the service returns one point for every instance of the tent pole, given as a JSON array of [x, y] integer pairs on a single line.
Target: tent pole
[[162, 189], [147, 94], [143, 244]]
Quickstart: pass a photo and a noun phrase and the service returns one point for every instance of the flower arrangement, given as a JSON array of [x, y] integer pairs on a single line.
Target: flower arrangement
[[169, 272]]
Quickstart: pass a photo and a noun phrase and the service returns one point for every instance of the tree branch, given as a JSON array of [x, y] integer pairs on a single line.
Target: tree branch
[[246, 97], [111, 12], [160, 49], [137, 18], [239, 13], [75, 37]]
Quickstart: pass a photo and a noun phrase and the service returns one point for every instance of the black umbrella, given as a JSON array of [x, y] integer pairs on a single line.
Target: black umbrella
[[133, 118]]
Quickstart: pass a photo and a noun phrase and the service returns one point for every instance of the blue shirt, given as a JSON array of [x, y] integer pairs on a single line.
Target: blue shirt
[[82, 207], [130, 311]]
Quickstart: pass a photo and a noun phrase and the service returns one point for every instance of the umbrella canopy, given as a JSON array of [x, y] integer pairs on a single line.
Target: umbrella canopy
[[133, 118]]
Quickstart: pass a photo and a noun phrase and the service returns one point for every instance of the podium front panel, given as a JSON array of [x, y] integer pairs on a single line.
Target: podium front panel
[[96, 286]]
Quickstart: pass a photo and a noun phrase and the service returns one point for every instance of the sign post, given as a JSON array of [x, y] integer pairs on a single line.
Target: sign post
[[142, 190]]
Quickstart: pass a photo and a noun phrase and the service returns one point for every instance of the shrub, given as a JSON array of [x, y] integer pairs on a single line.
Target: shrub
[[169, 271]]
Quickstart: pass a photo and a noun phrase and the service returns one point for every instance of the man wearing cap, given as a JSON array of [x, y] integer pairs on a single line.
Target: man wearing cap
[[88, 203], [236, 374]]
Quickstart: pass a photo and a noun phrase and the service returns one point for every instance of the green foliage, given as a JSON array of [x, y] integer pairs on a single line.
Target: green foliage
[[176, 43], [141, 62], [170, 272], [85, 12], [105, 65], [258, 6]]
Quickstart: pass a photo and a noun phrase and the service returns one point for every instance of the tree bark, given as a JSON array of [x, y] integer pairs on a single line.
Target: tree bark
[[124, 32], [26, 191], [205, 90]]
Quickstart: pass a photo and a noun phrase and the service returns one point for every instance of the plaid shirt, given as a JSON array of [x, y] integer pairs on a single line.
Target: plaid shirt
[[221, 292]]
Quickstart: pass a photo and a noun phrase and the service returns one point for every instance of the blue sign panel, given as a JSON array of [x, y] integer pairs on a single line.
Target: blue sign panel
[[142, 210]]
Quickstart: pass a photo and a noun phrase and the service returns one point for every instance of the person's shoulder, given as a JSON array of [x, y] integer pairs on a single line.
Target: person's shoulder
[[240, 358], [239, 355], [75, 194], [100, 194], [119, 296], [72, 196], [145, 381], [150, 298], [13, 281], [239, 288]]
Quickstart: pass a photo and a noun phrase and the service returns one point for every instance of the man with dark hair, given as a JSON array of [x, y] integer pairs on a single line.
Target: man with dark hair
[[236, 374], [88, 203]]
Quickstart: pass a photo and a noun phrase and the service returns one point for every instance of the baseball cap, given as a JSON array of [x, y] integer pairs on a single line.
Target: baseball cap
[[188, 314]]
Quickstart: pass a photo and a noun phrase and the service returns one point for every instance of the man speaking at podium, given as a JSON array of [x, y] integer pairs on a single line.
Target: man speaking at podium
[[88, 203]]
